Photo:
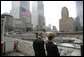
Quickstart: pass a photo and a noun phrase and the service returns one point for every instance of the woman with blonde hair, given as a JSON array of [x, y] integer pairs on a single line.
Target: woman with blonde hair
[[51, 48]]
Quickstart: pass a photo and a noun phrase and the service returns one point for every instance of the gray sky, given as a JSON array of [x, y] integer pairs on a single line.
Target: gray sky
[[52, 10]]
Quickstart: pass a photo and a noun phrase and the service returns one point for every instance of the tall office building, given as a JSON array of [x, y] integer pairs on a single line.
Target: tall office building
[[18, 7], [79, 5], [21, 11], [38, 19], [66, 23], [77, 24]]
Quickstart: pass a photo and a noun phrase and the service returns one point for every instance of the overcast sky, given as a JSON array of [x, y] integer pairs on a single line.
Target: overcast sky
[[52, 10]]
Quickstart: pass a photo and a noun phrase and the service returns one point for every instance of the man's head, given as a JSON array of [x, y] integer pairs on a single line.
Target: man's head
[[41, 34]]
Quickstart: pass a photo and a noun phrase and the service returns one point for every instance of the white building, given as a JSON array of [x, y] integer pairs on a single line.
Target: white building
[[38, 14]]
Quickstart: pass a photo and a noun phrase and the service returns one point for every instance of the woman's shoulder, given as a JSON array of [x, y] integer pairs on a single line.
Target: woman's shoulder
[[50, 43], [54, 44]]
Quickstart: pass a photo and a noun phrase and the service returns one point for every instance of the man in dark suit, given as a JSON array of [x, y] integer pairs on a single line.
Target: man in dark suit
[[38, 45]]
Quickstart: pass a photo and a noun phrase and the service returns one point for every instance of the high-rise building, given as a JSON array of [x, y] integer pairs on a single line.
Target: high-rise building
[[77, 24], [79, 5], [18, 7], [21, 10], [38, 19], [66, 24]]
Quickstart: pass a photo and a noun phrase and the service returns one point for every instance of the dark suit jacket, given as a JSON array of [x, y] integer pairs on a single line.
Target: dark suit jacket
[[38, 45], [52, 49]]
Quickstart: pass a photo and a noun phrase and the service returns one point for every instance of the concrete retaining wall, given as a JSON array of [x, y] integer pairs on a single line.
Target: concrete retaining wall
[[23, 46], [9, 46], [26, 47]]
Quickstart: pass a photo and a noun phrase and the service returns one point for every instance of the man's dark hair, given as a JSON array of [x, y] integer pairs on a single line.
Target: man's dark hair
[[40, 33], [36, 34]]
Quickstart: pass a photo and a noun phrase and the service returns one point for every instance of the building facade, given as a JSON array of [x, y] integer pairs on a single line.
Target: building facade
[[77, 24], [13, 24], [8, 22], [66, 24], [38, 19], [54, 29], [21, 10]]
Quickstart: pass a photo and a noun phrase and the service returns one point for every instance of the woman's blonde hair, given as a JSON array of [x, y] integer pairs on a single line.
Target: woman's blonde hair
[[51, 36]]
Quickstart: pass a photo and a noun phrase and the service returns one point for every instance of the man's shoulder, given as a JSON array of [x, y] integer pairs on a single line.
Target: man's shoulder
[[37, 39]]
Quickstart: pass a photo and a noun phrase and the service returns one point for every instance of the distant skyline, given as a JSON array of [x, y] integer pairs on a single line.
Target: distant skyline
[[79, 5], [52, 10]]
